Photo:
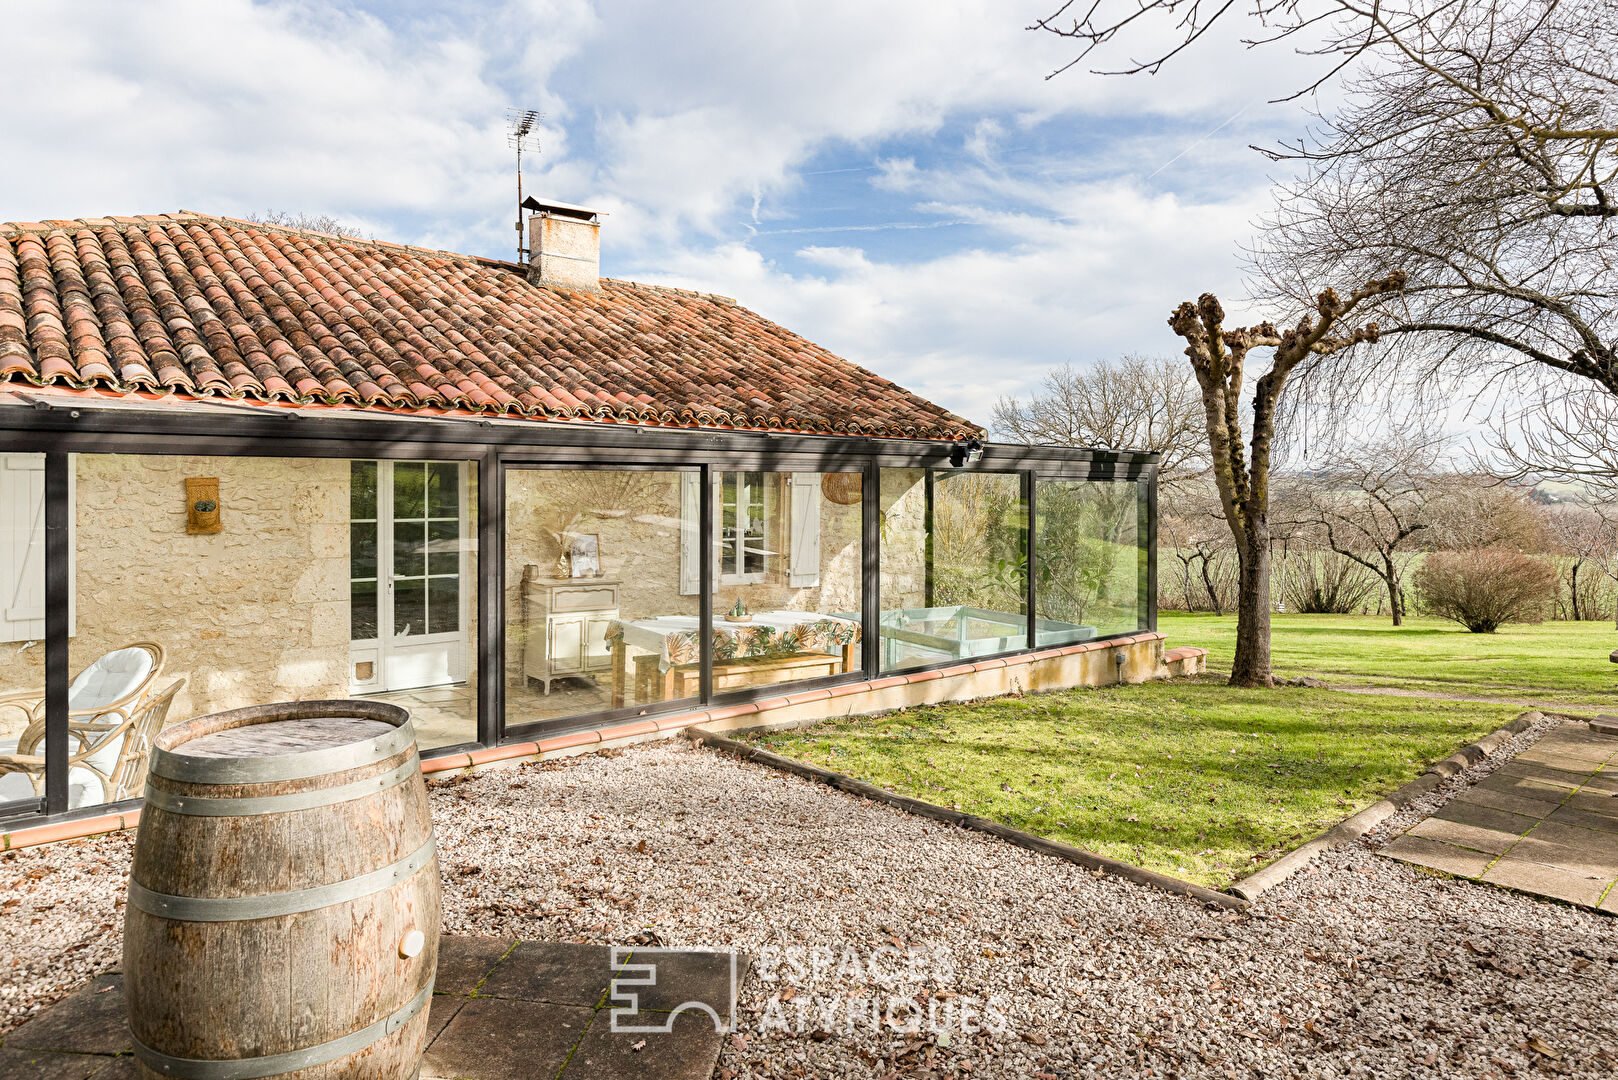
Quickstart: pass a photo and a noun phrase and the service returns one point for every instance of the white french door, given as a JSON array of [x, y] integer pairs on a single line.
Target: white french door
[[409, 574]]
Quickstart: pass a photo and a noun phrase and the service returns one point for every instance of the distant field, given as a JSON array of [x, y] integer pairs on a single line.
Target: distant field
[[1555, 662]]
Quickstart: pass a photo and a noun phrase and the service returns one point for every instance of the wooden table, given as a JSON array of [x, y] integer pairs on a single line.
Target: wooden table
[[656, 679]]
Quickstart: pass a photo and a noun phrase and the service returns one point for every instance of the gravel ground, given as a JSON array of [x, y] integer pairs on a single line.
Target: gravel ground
[[1021, 966]]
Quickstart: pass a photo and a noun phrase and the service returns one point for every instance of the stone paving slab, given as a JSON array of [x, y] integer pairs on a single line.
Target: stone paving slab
[[501, 1010], [1545, 823]]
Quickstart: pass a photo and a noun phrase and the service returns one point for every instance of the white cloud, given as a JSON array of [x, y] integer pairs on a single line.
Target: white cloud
[[692, 124]]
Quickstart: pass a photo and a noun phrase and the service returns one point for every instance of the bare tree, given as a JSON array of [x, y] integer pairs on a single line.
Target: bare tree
[[1478, 156], [1564, 432], [1375, 501], [1577, 533], [1136, 402], [298, 219], [1605, 554], [1477, 152], [1218, 356], [1191, 526]]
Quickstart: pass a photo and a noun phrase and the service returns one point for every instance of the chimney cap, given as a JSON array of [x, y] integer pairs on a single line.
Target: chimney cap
[[552, 206]]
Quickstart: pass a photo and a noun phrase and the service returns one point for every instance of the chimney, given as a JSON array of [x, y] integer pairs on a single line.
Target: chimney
[[564, 244]]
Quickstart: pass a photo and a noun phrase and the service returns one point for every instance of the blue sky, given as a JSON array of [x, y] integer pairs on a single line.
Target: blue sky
[[896, 180]]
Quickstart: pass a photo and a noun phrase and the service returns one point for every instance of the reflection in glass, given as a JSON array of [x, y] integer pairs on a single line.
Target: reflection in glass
[[22, 626], [601, 590], [297, 597], [954, 566], [787, 577], [1089, 558]]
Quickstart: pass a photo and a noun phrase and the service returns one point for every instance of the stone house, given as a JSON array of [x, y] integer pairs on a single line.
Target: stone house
[[527, 502]]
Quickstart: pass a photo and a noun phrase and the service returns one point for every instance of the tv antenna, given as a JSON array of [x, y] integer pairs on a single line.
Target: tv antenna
[[522, 134]]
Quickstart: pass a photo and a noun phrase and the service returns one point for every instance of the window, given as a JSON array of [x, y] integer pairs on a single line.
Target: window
[[597, 617], [1090, 559], [22, 547], [743, 528], [954, 550]]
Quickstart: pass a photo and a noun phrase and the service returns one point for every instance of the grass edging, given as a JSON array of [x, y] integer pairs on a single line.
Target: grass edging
[[1353, 827], [1087, 859]]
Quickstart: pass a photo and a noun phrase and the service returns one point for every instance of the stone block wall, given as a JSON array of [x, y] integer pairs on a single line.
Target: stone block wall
[[257, 612]]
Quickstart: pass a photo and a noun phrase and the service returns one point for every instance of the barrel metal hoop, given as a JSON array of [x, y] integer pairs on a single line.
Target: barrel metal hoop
[[292, 1060], [270, 905], [195, 769], [199, 806]]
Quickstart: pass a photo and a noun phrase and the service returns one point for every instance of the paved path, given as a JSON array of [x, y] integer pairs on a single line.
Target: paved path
[[1546, 823], [501, 1010]]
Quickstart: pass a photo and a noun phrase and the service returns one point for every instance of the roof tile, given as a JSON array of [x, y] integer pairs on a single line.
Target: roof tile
[[204, 305]]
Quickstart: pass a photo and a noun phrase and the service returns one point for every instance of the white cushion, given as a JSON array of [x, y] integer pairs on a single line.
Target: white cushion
[[113, 676], [13, 785]]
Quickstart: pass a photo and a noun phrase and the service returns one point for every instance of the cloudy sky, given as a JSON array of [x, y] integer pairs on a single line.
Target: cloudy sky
[[896, 179]]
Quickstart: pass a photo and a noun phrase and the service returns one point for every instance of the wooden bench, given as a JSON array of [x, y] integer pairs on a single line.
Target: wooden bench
[[683, 680]]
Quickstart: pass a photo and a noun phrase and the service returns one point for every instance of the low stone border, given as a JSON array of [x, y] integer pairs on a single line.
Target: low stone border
[[1357, 825], [1087, 859]]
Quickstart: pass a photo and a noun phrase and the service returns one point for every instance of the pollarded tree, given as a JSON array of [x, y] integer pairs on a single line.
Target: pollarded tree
[[1218, 355]]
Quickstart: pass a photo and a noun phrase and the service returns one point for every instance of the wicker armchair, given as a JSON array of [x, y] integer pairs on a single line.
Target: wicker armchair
[[112, 717]]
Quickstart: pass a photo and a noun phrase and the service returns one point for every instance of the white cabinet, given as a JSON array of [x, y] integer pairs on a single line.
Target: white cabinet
[[565, 622]]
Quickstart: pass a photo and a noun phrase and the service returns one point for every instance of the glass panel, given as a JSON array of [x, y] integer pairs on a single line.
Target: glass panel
[[362, 551], [444, 547], [283, 603], [1089, 559], [409, 490], [444, 490], [409, 607], [443, 605], [362, 610], [788, 609], [409, 548], [362, 491], [22, 617], [602, 578], [954, 566]]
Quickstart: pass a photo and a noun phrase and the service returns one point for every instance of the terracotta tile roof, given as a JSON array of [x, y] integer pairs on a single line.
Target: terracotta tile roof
[[203, 307]]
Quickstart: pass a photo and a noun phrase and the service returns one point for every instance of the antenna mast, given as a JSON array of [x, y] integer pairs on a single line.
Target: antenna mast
[[520, 135]]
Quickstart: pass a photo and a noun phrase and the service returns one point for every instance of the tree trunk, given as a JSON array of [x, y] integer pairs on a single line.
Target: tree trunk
[[1251, 667], [1390, 578], [1575, 590], [1207, 583]]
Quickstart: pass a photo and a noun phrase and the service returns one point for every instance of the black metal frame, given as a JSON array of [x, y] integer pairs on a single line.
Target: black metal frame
[[58, 428]]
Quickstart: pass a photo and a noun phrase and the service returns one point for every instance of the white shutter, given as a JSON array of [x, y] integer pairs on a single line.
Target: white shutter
[[690, 511], [22, 547], [804, 568]]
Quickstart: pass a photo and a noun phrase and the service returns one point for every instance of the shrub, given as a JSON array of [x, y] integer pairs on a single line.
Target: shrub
[[1326, 583], [1484, 590]]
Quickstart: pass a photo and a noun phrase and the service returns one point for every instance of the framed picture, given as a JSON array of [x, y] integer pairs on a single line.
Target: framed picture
[[584, 555]]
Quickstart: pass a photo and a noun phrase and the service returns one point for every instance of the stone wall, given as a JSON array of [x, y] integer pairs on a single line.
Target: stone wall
[[257, 612]]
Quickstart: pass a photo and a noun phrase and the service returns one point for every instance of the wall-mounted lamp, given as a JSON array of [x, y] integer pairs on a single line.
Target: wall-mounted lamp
[[202, 505], [963, 452]]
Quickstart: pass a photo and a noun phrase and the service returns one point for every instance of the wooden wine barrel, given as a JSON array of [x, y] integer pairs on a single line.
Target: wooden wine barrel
[[283, 910]]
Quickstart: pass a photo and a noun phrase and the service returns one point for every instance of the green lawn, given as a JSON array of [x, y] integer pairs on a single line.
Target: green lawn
[[1190, 778], [1557, 662]]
